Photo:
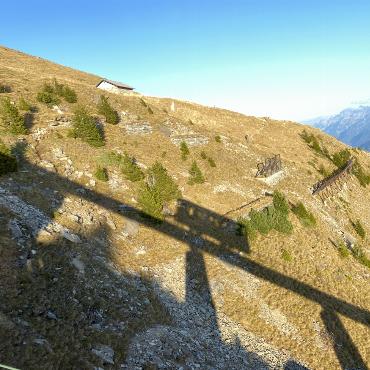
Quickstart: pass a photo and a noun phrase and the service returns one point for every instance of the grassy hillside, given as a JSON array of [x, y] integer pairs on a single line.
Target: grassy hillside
[[84, 266]]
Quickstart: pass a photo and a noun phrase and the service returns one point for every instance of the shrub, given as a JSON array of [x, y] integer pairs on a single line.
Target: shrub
[[305, 217], [11, 119], [105, 109], [314, 144], [203, 155], [111, 159], [343, 250], [286, 256], [218, 139], [196, 176], [50, 94], [130, 169], [84, 127], [69, 95], [163, 184], [5, 89], [360, 256], [47, 97], [341, 158], [24, 105], [274, 217], [280, 203], [184, 149], [159, 190], [101, 174], [150, 205], [8, 162], [362, 177], [359, 228]]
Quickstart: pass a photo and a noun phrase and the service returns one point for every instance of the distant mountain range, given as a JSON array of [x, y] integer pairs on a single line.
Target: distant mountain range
[[352, 126]]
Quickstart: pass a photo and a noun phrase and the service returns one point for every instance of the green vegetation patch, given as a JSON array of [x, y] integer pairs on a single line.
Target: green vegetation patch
[[8, 162], [50, 94], [343, 250], [101, 174], [196, 175], [106, 110], [360, 256], [314, 143], [274, 217], [306, 218], [184, 149], [218, 139], [11, 119], [359, 229], [157, 191], [85, 128], [286, 256], [130, 169]]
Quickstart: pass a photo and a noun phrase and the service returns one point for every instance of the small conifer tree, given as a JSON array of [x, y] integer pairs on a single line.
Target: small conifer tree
[[196, 176], [105, 109], [11, 119], [184, 150], [84, 127]]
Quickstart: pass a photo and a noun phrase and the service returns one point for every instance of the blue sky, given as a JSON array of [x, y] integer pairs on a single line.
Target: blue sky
[[290, 59]]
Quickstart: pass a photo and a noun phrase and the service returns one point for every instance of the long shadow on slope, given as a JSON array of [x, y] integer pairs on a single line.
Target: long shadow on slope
[[209, 232]]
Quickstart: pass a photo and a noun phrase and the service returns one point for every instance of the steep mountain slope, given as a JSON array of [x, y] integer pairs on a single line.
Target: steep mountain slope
[[88, 281], [352, 126]]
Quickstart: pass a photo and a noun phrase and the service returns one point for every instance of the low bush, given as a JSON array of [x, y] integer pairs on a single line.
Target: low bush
[[8, 162], [101, 174], [51, 94], [286, 256], [69, 95], [159, 190], [184, 149], [343, 250], [196, 176], [362, 177], [341, 158], [5, 89], [130, 169], [11, 119], [314, 144], [84, 127], [274, 217], [359, 229], [218, 139], [360, 256], [47, 97], [305, 217], [106, 110]]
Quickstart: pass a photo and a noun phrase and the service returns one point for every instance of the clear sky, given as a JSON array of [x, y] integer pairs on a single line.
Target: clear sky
[[291, 59]]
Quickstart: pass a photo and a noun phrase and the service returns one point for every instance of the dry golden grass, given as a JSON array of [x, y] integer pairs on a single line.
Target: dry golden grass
[[315, 262]]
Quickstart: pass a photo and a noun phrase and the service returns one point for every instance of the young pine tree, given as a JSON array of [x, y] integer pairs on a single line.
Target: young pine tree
[[84, 127], [105, 109], [11, 119]]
